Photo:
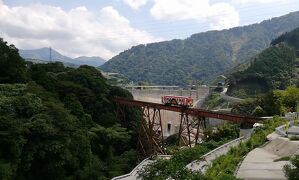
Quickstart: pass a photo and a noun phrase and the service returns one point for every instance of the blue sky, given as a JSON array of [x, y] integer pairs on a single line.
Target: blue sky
[[107, 27]]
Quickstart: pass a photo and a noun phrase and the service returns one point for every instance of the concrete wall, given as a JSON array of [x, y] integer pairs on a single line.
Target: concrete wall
[[170, 120], [198, 94], [213, 122]]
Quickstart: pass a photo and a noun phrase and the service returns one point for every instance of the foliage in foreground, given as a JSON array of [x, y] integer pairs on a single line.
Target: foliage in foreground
[[222, 168], [59, 123], [175, 167], [292, 170]]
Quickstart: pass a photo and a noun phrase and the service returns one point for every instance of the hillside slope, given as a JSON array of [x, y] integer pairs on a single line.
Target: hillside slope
[[201, 56], [59, 123], [274, 68]]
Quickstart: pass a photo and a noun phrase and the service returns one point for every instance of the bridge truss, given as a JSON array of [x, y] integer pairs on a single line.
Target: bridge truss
[[192, 121]]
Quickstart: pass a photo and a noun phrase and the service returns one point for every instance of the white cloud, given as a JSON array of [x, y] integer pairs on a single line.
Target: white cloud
[[218, 15], [135, 4], [74, 33], [258, 1]]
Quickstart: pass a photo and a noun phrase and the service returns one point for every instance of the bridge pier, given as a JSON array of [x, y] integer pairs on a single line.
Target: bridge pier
[[150, 136], [151, 128], [190, 129]]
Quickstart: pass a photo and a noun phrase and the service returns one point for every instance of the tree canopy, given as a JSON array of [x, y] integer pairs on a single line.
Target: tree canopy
[[12, 67], [59, 123]]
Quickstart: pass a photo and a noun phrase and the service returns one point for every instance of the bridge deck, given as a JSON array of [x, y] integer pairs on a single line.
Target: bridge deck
[[189, 111]]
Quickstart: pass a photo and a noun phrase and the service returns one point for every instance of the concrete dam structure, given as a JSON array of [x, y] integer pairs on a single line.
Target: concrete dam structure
[[171, 120]]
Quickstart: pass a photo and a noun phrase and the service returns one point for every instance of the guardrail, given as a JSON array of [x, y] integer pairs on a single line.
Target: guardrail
[[222, 146], [217, 149]]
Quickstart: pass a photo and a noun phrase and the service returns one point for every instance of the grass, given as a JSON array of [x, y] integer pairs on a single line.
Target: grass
[[225, 165], [214, 100], [294, 138], [285, 158]]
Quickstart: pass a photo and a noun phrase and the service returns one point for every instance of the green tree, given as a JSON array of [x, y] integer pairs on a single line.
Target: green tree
[[292, 170], [291, 97], [12, 66]]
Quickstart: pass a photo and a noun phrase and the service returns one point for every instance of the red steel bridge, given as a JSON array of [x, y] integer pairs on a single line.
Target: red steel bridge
[[192, 121]]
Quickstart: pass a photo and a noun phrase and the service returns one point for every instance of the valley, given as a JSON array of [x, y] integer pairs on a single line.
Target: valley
[[219, 104]]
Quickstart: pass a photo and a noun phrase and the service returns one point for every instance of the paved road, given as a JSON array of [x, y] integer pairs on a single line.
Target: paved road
[[258, 164], [224, 96]]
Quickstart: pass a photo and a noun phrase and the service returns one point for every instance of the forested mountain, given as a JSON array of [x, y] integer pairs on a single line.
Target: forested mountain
[[274, 68], [59, 123], [44, 55], [201, 56], [291, 38]]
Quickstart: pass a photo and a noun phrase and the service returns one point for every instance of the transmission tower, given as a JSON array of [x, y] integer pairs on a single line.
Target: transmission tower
[[50, 54]]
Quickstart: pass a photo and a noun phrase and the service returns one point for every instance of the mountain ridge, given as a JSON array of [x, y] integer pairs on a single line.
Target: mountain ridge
[[201, 56], [44, 55]]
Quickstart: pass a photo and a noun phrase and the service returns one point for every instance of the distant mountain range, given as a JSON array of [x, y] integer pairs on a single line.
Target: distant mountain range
[[43, 54], [202, 56]]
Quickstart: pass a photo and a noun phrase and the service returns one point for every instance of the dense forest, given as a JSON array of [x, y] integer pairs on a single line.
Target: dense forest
[[274, 68], [59, 123], [270, 80], [200, 57]]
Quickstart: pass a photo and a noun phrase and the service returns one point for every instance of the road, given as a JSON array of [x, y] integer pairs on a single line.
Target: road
[[224, 96], [259, 163]]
